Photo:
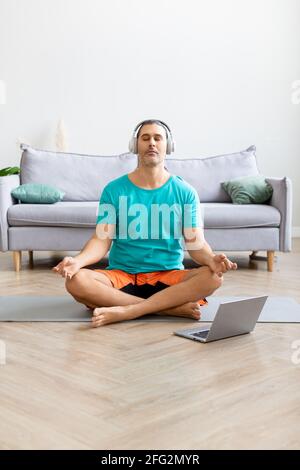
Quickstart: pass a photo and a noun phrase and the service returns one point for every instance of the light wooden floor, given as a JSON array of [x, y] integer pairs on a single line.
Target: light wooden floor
[[134, 385]]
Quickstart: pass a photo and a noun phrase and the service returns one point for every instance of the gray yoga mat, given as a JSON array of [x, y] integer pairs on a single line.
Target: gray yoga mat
[[65, 309]]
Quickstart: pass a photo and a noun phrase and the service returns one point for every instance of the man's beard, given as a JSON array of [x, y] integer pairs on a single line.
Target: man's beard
[[151, 162]]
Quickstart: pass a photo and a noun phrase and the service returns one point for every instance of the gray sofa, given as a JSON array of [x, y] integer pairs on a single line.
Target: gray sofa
[[68, 224]]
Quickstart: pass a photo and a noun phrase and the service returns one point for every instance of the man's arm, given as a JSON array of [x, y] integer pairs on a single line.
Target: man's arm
[[202, 256], [93, 251], [200, 251], [196, 245]]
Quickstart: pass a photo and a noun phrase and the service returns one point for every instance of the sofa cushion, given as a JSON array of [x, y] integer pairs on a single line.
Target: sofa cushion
[[80, 177], [227, 215], [207, 174], [84, 214], [61, 214]]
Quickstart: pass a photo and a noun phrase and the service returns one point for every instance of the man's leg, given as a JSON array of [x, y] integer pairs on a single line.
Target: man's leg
[[95, 289], [192, 288]]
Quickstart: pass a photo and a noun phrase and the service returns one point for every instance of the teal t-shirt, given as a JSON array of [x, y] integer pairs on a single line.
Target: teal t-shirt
[[148, 223]]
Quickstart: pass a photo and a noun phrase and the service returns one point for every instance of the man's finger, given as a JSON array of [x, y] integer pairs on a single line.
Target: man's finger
[[57, 269], [67, 274], [232, 265], [223, 267], [228, 263], [220, 258]]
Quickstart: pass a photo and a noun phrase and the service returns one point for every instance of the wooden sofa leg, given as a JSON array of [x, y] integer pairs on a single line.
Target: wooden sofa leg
[[17, 256], [270, 260], [30, 253]]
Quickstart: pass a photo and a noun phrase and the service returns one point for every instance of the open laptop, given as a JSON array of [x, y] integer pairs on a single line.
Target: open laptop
[[232, 318]]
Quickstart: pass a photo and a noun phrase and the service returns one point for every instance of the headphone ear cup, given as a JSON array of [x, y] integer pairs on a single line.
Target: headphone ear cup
[[169, 146], [135, 150], [132, 145]]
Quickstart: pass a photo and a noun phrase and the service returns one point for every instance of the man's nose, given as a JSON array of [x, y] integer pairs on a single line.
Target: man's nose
[[152, 141]]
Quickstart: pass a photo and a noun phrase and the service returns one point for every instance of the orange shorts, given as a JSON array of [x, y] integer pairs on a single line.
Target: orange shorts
[[145, 284]]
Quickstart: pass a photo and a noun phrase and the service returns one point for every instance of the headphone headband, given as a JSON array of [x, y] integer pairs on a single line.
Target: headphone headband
[[137, 128]]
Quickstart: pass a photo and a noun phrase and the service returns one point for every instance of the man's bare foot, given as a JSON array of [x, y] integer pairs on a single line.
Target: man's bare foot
[[106, 315], [188, 310]]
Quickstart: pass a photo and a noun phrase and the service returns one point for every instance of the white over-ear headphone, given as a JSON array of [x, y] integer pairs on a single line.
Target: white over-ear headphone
[[170, 142]]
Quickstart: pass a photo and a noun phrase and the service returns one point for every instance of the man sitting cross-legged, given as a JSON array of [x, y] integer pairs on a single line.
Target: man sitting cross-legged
[[144, 217]]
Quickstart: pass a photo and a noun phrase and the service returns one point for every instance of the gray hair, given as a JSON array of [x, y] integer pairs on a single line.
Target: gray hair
[[152, 121]]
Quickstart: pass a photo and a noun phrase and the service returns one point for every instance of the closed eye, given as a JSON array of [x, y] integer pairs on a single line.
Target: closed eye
[[157, 136]]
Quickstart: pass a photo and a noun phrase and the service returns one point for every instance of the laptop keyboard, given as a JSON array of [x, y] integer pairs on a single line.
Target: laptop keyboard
[[201, 334]]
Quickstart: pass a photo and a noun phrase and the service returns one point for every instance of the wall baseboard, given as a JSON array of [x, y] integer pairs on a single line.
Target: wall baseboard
[[296, 232]]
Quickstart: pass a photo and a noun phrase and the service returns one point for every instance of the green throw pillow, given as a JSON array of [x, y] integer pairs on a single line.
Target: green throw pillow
[[248, 190], [37, 193]]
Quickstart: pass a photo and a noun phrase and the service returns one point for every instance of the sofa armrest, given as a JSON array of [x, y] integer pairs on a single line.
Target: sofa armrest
[[282, 200], [7, 184]]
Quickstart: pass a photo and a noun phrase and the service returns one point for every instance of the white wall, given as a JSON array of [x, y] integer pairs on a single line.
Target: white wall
[[219, 72]]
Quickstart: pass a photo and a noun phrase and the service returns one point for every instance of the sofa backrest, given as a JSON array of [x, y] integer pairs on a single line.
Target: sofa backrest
[[83, 177], [207, 174]]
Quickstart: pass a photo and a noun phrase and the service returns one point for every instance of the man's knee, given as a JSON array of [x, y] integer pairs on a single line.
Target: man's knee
[[77, 284], [212, 280]]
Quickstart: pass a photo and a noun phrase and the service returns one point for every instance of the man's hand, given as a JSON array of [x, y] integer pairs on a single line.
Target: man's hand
[[220, 264], [68, 267]]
